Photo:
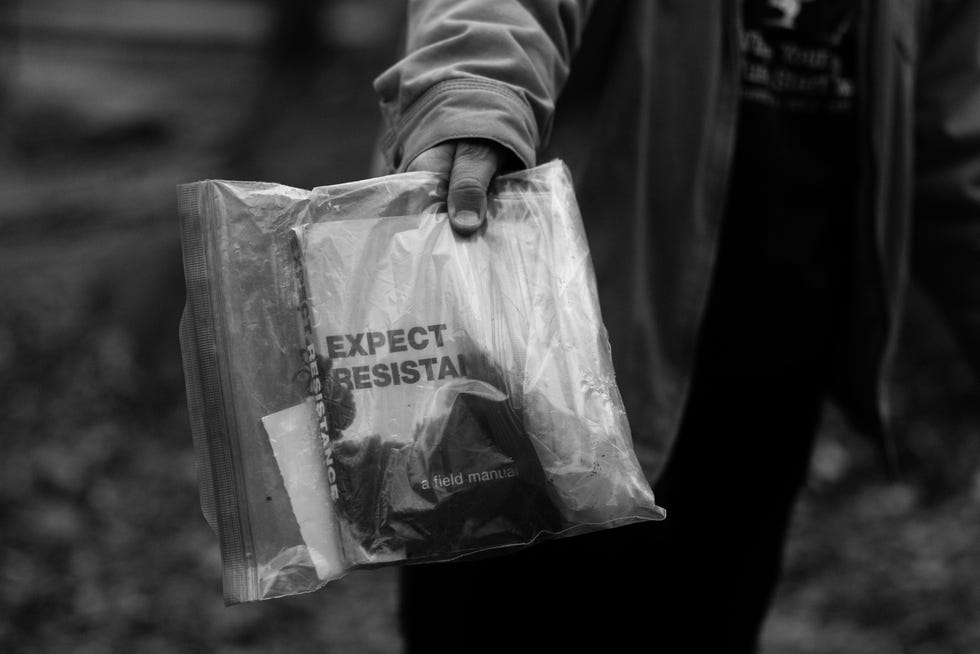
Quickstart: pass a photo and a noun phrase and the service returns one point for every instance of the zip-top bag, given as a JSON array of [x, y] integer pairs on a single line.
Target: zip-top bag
[[366, 387]]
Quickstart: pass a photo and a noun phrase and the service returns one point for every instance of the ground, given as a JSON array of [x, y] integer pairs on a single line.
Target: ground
[[104, 548]]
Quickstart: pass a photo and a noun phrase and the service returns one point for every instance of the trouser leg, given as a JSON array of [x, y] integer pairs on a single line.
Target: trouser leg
[[729, 489]]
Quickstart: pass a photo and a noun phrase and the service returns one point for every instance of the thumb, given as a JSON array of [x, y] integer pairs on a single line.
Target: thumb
[[475, 164]]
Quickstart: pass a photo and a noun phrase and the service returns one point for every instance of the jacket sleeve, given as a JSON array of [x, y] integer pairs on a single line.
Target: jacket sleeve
[[478, 69], [946, 244]]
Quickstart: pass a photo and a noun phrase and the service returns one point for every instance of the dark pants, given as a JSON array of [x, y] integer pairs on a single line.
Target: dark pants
[[702, 580]]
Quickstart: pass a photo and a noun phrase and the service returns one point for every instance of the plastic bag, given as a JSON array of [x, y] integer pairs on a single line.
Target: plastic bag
[[365, 387]]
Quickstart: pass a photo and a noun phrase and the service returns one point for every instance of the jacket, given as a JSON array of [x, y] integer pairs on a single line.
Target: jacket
[[640, 99]]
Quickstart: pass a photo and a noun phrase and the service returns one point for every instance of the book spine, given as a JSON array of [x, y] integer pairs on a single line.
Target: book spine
[[311, 355]]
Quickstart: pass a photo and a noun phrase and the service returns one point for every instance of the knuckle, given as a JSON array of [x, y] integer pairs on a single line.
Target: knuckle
[[437, 159], [475, 150], [467, 183]]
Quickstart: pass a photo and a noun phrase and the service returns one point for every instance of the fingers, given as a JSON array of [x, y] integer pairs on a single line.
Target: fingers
[[471, 165], [437, 159], [474, 165]]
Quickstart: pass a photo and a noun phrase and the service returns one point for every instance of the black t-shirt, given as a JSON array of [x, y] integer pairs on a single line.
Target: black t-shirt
[[788, 228]]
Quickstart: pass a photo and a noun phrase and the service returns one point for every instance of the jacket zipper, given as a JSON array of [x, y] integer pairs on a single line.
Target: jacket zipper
[[871, 42]]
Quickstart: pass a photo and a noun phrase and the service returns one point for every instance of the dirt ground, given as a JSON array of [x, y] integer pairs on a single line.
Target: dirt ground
[[103, 546]]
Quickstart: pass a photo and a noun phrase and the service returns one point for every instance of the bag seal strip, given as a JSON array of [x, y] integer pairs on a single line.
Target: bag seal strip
[[213, 446]]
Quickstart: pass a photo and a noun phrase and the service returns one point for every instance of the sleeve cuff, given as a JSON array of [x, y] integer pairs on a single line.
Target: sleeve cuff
[[465, 108]]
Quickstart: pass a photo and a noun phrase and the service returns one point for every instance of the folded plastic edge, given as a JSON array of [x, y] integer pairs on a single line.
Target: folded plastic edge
[[213, 449]]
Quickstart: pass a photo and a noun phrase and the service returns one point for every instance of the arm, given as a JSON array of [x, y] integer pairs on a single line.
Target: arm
[[946, 251], [476, 90]]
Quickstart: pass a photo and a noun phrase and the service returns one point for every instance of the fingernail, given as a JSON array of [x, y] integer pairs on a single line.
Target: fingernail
[[467, 219]]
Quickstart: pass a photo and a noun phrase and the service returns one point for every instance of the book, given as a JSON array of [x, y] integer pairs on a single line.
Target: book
[[415, 374]]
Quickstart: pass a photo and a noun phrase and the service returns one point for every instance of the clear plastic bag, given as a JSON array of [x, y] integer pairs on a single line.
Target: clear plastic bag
[[365, 387]]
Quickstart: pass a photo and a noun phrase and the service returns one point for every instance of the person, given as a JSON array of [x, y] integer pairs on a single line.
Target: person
[[747, 172]]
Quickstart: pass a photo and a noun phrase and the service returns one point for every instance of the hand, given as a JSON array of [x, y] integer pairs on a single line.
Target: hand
[[470, 164]]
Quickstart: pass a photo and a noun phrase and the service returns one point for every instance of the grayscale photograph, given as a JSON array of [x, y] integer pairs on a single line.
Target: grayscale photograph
[[420, 326]]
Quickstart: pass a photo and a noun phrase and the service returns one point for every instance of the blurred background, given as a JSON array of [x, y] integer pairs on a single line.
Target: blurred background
[[107, 105]]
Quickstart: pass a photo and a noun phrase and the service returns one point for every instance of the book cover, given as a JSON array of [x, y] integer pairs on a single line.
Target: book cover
[[416, 384]]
